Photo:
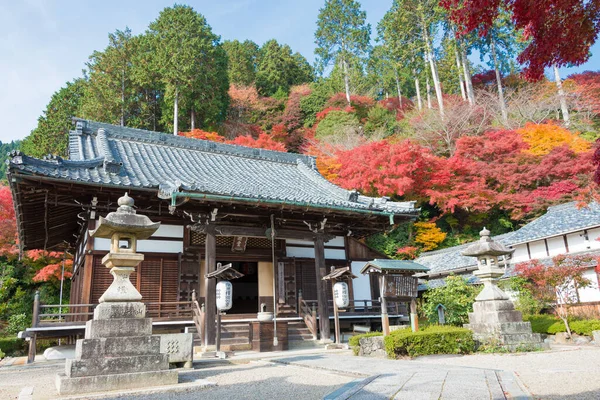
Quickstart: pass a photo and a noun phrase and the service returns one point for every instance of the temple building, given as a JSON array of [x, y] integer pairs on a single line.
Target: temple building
[[270, 214]]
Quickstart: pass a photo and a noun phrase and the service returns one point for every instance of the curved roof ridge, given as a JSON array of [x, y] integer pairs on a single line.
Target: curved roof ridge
[[146, 136]]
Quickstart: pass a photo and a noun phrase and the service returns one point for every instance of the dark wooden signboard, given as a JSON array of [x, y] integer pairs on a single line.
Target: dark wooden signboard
[[400, 286]]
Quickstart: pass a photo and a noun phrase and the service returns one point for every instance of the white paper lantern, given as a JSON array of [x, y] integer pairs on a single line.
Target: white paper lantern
[[341, 294], [224, 295]]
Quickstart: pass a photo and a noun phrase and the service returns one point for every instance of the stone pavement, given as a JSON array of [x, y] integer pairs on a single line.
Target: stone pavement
[[406, 379]]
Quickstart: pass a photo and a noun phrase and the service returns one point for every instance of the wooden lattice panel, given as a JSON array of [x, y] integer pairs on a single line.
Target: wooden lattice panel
[[259, 243], [197, 239], [224, 241]]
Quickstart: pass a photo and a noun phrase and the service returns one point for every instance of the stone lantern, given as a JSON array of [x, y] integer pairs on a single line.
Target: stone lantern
[[494, 318], [119, 350], [124, 228]]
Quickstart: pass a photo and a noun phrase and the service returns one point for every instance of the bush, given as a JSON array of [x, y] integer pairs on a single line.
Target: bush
[[337, 122], [551, 325], [1, 355], [17, 322], [380, 120], [457, 295], [432, 340], [13, 346]]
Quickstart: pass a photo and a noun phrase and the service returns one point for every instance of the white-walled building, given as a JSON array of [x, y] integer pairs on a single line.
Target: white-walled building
[[564, 229]]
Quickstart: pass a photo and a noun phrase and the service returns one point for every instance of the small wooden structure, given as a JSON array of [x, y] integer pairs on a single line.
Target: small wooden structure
[[396, 282], [222, 273], [338, 275]]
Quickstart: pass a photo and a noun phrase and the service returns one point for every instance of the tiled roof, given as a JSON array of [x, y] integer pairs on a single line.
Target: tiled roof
[[103, 154], [394, 265], [451, 259], [558, 220]]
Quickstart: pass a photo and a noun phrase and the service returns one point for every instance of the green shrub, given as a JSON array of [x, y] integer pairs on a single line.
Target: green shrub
[[1, 355], [13, 346], [337, 123], [551, 325], [381, 120], [432, 340], [457, 295], [16, 323]]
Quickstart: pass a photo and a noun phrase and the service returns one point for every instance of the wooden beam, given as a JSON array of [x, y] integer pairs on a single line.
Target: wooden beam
[[323, 303], [210, 259]]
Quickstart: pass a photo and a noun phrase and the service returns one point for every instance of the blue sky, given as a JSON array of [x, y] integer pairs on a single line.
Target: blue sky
[[44, 44]]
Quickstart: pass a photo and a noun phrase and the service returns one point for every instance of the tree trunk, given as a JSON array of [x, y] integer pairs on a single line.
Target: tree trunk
[[561, 96], [193, 119], [461, 81], [175, 113], [468, 82], [346, 80], [499, 81], [434, 73], [398, 88], [123, 98], [418, 90], [428, 93]]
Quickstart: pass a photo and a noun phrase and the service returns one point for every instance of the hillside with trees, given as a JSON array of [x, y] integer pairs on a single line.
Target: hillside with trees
[[408, 115]]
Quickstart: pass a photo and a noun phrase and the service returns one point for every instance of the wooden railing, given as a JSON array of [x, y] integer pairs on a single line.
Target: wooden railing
[[198, 317], [308, 314], [363, 307]]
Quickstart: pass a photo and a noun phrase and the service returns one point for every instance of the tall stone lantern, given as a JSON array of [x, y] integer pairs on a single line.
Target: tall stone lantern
[[494, 318], [119, 351]]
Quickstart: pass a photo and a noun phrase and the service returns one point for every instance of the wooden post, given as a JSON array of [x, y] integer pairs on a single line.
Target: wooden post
[[385, 321], [218, 339], [210, 258], [414, 319], [323, 304], [34, 323], [336, 316], [300, 301]]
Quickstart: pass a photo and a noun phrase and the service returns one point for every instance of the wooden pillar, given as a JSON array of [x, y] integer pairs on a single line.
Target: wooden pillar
[[322, 300], [210, 258], [34, 323], [336, 315], [385, 321]]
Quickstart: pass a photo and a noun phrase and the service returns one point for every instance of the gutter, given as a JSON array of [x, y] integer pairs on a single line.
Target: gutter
[[215, 197]]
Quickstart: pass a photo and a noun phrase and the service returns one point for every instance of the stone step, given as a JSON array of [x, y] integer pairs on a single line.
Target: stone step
[[103, 383], [117, 347], [115, 365]]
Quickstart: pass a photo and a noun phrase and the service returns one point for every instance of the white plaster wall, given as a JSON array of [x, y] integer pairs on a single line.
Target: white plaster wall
[[537, 249], [309, 252], [590, 293], [145, 246], [172, 231], [576, 242], [360, 285], [556, 246], [520, 254], [594, 235]]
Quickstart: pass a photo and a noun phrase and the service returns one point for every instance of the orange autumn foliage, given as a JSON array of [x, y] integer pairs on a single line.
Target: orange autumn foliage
[[543, 138], [429, 236], [203, 135]]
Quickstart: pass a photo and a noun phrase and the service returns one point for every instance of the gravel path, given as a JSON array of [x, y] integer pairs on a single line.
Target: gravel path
[[253, 380], [564, 373]]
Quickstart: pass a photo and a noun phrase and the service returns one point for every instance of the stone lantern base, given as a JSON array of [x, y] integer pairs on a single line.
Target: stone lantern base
[[497, 321], [118, 352]]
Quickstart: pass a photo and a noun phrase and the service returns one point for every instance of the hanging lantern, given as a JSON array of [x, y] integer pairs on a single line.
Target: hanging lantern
[[224, 295], [341, 294]]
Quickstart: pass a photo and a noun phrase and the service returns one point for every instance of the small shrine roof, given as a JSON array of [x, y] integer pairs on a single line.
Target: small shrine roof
[[392, 266]]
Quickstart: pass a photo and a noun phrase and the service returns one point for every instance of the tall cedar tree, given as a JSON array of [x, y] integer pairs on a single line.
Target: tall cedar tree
[[278, 69], [192, 64], [52, 132], [559, 32], [342, 33], [242, 59], [110, 93]]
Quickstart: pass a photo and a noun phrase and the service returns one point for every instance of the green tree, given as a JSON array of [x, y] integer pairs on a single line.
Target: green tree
[[342, 33], [457, 295], [110, 94], [191, 63], [51, 135], [242, 59], [279, 69]]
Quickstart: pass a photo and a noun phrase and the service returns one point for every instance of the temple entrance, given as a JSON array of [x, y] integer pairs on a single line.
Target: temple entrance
[[245, 289]]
